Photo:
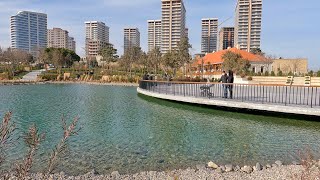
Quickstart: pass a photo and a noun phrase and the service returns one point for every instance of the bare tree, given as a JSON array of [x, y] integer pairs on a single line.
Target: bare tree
[[131, 56]]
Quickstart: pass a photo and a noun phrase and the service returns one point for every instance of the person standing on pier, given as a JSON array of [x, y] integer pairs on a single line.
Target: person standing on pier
[[230, 80], [224, 80]]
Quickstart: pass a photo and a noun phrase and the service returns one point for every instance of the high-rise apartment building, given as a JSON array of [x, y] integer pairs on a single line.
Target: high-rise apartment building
[[226, 38], [131, 38], [71, 44], [209, 35], [29, 31], [97, 37], [58, 38], [154, 34], [173, 24], [248, 24]]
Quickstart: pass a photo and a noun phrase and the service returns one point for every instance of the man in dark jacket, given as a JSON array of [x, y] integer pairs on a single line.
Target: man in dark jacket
[[230, 80], [224, 79]]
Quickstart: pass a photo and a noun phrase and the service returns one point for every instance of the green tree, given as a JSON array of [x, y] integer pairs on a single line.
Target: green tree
[[183, 54], [170, 62], [109, 53], [59, 57], [178, 57], [257, 51], [154, 59], [235, 62], [311, 73], [318, 73]]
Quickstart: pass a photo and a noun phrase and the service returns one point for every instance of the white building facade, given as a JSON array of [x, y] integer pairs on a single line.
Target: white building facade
[[29, 31]]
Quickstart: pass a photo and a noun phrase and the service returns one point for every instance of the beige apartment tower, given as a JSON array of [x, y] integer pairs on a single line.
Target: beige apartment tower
[[173, 24], [57, 38], [154, 34], [248, 24], [226, 38], [97, 37], [209, 35], [131, 38]]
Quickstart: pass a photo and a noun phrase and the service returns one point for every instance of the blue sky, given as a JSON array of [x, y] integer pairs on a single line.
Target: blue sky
[[290, 29]]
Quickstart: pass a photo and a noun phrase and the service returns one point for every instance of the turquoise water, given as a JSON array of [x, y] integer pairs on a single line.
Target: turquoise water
[[130, 133]]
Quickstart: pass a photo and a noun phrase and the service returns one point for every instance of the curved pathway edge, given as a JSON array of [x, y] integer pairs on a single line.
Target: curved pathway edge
[[236, 104]]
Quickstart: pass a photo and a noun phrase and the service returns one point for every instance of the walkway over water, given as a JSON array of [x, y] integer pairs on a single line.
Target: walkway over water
[[303, 100]]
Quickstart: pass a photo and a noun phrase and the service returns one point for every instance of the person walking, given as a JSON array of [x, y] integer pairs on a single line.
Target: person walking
[[224, 80], [230, 80]]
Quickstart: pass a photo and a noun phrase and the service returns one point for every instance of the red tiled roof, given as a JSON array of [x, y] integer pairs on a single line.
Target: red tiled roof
[[216, 57]]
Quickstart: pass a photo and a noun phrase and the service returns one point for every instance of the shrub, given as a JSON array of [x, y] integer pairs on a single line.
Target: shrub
[[266, 73], [318, 73], [290, 73], [33, 139], [49, 77], [280, 73], [250, 78], [273, 74], [311, 73]]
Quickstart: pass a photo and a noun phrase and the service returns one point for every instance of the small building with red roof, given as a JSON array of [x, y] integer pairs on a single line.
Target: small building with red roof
[[211, 63]]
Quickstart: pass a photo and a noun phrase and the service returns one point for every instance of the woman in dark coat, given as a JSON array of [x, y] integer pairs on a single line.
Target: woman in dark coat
[[230, 80]]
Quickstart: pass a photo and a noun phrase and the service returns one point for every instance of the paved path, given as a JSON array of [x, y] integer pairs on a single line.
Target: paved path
[[32, 76]]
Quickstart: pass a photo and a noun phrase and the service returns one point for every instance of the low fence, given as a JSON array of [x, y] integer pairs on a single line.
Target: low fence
[[308, 96]]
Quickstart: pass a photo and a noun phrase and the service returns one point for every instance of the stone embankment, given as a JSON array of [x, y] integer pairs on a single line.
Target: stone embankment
[[66, 82], [208, 172]]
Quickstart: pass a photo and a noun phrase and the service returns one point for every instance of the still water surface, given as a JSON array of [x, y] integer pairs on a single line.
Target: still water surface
[[129, 133]]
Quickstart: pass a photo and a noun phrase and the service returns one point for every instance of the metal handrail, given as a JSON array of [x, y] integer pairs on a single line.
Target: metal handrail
[[258, 93], [186, 82]]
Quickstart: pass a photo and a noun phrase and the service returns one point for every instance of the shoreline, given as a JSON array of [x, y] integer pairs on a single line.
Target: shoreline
[[201, 172], [8, 83]]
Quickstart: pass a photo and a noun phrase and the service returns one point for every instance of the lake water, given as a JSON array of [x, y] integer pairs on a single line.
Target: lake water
[[130, 133]]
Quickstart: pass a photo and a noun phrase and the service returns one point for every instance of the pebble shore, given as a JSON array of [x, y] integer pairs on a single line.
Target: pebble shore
[[201, 172]]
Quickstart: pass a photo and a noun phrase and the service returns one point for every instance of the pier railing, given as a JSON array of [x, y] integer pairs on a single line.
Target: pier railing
[[293, 95]]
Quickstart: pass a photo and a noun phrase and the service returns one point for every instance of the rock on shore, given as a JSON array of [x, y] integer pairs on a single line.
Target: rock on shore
[[274, 173]]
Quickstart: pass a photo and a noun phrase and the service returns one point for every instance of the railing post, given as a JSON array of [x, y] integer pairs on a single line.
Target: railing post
[[311, 97], [262, 94], [166, 84], [286, 95]]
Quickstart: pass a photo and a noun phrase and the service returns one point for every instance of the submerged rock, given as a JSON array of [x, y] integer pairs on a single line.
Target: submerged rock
[[279, 163], [258, 167], [115, 174], [295, 163], [229, 167], [237, 168], [212, 165], [247, 169], [219, 170]]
